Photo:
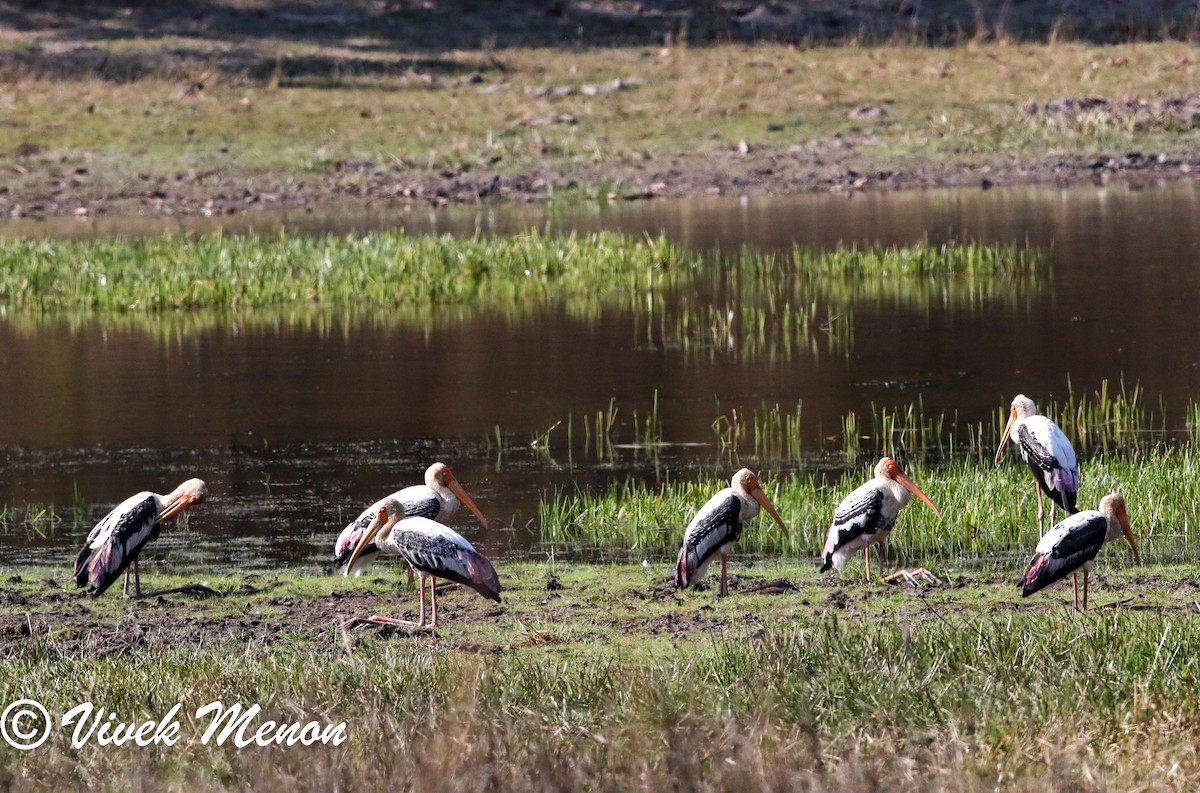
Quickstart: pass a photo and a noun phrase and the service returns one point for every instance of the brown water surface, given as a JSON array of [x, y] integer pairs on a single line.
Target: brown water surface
[[299, 418]]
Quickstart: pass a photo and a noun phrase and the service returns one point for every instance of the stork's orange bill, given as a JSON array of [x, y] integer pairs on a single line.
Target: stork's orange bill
[[188, 494], [911, 487], [1012, 419], [458, 491], [1127, 530], [760, 495], [377, 524]]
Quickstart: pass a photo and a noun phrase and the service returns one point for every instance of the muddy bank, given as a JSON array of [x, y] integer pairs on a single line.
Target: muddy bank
[[530, 101], [758, 172], [590, 605]]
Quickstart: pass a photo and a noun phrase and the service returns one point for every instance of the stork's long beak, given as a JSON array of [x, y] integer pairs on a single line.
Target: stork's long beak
[[376, 525], [762, 498], [457, 490], [179, 505], [1128, 532], [1012, 419], [911, 487]]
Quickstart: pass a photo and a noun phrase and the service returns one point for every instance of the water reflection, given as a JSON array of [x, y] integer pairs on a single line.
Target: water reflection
[[300, 417]]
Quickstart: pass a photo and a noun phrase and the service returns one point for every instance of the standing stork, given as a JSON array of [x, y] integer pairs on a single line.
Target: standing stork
[[118, 539], [1074, 543], [866, 517], [717, 526], [1047, 452], [438, 499], [433, 550]]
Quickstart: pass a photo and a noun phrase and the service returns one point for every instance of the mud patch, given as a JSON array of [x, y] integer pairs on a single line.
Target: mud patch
[[779, 586], [676, 625], [839, 599]]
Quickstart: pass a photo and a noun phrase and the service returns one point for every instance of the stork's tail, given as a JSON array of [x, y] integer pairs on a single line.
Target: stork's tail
[[684, 569], [97, 569], [481, 576], [81, 567], [1032, 580], [1065, 485], [830, 547], [361, 564]]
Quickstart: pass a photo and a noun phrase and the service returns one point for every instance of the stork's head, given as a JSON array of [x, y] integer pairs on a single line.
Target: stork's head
[[439, 476], [746, 482], [1113, 507], [1022, 407], [388, 513], [888, 468], [188, 494]]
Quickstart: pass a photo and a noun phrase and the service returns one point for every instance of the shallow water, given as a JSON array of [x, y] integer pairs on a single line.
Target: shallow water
[[298, 419]]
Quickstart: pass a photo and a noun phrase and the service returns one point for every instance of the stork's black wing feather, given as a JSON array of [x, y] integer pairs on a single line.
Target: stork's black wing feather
[[858, 515], [718, 523], [115, 543]]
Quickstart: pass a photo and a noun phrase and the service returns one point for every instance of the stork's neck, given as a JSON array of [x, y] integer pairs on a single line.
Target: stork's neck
[[386, 540], [1014, 433], [898, 491], [1115, 532], [750, 507], [449, 501]]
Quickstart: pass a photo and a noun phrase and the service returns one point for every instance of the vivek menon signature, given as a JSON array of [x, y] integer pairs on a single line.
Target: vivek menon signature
[[25, 724]]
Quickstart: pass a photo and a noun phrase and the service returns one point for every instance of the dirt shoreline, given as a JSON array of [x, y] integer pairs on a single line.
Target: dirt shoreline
[[37, 613], [137, 108], [755, 173]]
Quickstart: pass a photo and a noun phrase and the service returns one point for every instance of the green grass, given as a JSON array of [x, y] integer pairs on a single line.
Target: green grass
[[178, 113], [922, 260], [611, 683], [163, 273], [392, 269], [988, 514], [1110, 420], [41, 520]]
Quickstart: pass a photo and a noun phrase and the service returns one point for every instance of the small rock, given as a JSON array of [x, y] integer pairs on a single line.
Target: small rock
[[867, 112]]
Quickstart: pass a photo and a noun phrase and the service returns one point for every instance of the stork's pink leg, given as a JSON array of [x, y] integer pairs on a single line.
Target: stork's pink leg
[[724, 584], [421, 620], [1041, 514], [126, 582], [379, 619], [433, 592], [1075, 582], [867, 555]]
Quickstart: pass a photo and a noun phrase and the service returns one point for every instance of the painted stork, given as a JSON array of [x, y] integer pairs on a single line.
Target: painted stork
[[1047, 452], [866, 517], [1074, 543], [438, 499], [717, 526], [118, 539], [433, 550]]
